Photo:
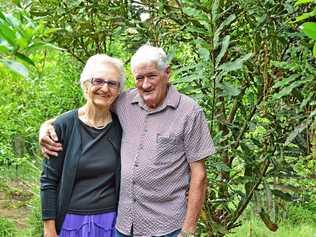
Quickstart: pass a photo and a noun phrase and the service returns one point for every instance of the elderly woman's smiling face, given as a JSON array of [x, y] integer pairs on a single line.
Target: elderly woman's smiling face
[[104, 86]]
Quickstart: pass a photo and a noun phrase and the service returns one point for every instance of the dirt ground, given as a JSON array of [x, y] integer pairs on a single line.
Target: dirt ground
[[14, 197]]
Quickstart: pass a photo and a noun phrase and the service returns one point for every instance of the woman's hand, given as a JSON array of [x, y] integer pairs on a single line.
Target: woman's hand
[[54, 234], [49, 228]]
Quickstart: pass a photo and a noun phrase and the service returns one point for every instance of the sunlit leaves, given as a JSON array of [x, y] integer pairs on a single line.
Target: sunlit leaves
[[302, 2], [306, 15], [309, 28], [17, 35]]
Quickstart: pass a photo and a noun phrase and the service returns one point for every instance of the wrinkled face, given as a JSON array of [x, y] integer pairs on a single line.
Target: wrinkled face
[[151, 83], [104, 87]]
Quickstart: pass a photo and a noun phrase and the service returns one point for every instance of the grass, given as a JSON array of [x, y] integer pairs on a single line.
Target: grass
[[19, 198], [7, 228], [256, 228]]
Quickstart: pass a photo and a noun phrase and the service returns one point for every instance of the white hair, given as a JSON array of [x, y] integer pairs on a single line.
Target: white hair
[[100, 60], [149, 54]]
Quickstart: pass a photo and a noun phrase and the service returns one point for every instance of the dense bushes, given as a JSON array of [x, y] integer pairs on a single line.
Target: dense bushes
[[26, 103]]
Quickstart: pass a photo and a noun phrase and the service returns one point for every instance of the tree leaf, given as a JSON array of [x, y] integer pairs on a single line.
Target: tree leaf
[[287, 90], [285, 65], [227, 21], [267, 221], [194, 29], [228, 89], [305, 101], [285, 196], [24, 58], [236, 64], [312, 114], [5, 47], [287, 188], [224, 48], [218, 31], [214, 11], [220, 228], [7, 33], [193, 12], [297, 130], [301, 2], [12, 20], [286, 81], [220, 166], [40, 45], [204, 53], [305, 15], [309, 28], [16, 67]]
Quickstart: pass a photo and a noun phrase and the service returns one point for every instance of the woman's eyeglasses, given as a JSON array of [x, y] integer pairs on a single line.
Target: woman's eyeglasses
[[100, 82]]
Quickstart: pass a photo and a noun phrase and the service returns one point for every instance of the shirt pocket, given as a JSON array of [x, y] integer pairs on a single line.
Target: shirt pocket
[[169, 147]]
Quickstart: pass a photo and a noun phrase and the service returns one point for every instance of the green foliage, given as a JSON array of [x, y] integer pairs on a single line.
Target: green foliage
[[304, 213], [83, 28], [7, 228], [255, 228], [35, 219], [309, 28], [33, 101], [19, 36]]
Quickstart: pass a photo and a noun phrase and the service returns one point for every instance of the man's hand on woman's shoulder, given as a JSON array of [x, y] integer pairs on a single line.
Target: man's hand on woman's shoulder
[[48, 139]]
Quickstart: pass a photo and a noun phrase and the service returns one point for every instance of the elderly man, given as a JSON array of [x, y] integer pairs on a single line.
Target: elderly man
[[164, 144]]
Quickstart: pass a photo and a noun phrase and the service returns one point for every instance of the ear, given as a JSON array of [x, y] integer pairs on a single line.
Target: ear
[[167, 72]]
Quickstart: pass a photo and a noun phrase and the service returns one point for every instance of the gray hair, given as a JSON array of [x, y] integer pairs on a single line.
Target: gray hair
[[99, 60], [150, 54]]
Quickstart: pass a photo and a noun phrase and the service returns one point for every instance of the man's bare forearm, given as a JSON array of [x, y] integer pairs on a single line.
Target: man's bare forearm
[[198, 185]]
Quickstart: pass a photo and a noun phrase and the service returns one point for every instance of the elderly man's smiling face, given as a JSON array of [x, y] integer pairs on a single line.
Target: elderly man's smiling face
[[151, 83]]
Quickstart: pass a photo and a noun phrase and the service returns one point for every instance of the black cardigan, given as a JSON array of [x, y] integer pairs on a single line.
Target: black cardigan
[[58, 175]]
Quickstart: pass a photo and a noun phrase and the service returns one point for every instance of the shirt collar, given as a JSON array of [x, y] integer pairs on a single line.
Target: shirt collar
[[172, 99]]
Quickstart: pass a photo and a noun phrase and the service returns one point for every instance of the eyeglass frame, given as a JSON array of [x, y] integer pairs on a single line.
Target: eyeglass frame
[[116, 84]]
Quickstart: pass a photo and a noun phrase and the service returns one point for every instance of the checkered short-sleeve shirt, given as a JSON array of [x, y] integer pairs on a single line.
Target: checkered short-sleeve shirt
[[157, 147]]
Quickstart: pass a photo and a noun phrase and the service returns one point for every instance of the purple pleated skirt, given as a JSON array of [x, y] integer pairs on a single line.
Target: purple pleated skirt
[[99, 225]]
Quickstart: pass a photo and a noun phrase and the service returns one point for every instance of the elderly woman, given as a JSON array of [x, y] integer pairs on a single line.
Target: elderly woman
[[79, 189]]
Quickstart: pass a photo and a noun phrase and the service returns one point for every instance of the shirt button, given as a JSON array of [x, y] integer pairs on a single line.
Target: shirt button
[[136, 165], [141, 147], [133, 182], [146, 130], [134, 199]]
